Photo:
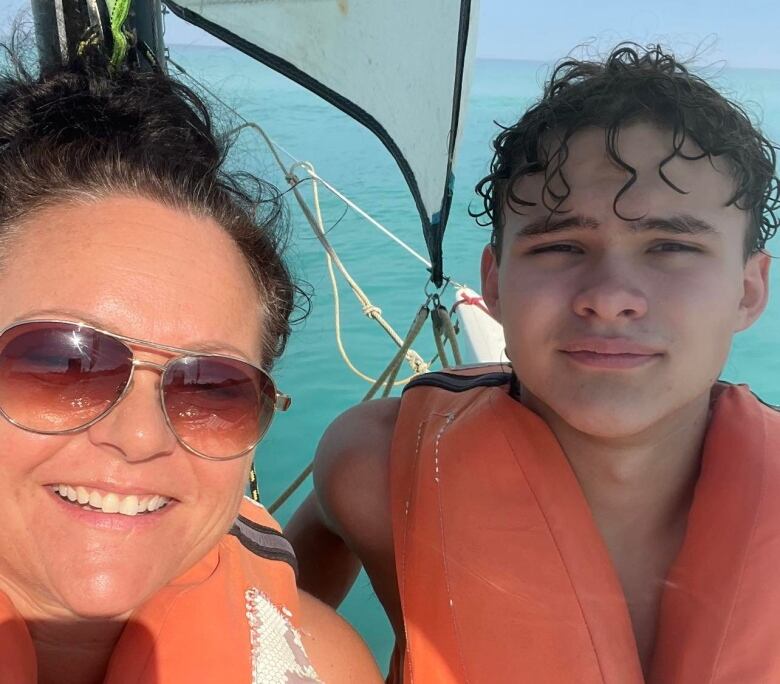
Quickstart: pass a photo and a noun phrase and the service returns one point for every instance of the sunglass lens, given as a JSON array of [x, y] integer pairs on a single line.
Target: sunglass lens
[[56, 377], [219, 407]]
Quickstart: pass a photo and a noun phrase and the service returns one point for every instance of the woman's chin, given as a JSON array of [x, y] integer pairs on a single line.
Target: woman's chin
[[106, 594]]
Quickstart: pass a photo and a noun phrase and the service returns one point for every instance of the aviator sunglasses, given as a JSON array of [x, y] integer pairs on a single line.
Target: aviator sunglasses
[[60, 377]]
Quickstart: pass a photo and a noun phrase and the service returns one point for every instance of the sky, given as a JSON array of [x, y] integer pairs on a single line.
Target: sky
[[743, 33]]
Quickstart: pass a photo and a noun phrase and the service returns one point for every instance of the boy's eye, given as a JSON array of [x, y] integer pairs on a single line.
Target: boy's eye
[[674, 247], [558, 247]]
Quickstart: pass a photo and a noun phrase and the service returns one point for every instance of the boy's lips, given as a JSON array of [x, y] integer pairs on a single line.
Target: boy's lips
[[610, 352], [610, 345]]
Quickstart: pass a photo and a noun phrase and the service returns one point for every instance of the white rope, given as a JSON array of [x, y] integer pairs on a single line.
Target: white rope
[[369, 309]]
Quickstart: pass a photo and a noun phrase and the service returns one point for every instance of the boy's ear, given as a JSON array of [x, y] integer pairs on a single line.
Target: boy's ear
[[755, 290], [489, 270]]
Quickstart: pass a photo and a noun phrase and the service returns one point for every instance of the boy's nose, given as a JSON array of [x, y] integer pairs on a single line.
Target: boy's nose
[[610, 296]]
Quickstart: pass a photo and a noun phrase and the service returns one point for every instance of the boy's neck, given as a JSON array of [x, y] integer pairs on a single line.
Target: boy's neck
[[638, 487]]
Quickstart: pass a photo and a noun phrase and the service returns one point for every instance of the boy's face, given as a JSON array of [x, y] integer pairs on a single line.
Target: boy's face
[[615, 325]]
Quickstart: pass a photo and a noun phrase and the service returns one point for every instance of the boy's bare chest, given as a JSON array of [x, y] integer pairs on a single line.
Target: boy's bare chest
[[642, 571], [643, 593]]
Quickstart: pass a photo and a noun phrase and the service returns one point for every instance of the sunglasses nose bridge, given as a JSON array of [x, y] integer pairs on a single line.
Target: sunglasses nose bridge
[[149, 365]]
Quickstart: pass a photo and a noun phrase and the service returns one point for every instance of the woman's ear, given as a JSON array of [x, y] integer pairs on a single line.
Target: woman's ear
[[755, 290], [489, 270]]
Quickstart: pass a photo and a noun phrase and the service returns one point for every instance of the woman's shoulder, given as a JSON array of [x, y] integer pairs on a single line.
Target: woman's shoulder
[[294, 620], [338, 654]]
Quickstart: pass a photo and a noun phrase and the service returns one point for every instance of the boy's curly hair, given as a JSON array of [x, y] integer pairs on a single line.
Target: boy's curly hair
[[633, 84]]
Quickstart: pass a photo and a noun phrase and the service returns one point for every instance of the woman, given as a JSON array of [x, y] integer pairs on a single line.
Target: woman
[[141, 307]]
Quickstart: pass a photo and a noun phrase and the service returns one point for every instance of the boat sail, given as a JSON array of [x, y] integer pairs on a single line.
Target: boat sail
[[400, 68]]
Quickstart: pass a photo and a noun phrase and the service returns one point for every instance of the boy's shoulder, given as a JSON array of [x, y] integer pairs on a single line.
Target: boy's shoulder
[[357, 435], [351, 472]]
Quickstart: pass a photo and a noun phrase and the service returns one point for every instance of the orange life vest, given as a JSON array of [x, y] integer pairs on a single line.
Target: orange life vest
[[197, 628], [504, 577]]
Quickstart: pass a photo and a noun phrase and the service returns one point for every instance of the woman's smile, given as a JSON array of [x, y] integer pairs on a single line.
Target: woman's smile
[[108, 510]]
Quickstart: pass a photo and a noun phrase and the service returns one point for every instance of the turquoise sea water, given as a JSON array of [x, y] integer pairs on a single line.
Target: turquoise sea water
[[350, 158]]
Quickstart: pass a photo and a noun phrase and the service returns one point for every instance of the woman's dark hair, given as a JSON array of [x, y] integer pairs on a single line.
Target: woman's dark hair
[[633, 84], [86, 132]]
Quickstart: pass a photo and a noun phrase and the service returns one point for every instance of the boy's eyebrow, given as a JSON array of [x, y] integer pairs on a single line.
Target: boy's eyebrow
[[681, 223], [549, 224]]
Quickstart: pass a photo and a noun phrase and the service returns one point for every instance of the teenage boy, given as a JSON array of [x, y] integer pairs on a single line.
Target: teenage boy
[[604, 510]]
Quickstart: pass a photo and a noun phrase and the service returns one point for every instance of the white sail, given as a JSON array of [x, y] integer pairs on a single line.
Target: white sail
[[400, 67]]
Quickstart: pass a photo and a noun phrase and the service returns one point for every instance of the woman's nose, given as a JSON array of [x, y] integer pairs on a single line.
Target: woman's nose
[[136, 426], [610, 294]]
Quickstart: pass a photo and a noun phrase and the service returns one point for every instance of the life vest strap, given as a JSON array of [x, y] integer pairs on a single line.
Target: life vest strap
[[264, 541], [460, 383]]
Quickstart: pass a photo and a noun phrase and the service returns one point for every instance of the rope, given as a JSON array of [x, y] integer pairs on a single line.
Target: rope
[[414, 330], [332, 259], [417, 363], [119, 11], [438, 338], [392, 367], [316, 222], [317, 225], [445, 330], [369, 309], [287, 493], [369, 218]]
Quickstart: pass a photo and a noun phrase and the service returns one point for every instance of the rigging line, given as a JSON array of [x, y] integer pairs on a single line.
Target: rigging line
[[370, 310], [417, 326], [310, 170], [340, 343], [388, 377], [392, 368], [315, 221], [444, 331], [437, 338], [274, 146]]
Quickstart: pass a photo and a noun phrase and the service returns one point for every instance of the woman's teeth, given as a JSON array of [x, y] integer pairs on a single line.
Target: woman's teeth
[[111, 502]]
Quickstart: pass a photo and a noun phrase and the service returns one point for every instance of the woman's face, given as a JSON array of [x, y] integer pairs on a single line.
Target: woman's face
[[136, 268]]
